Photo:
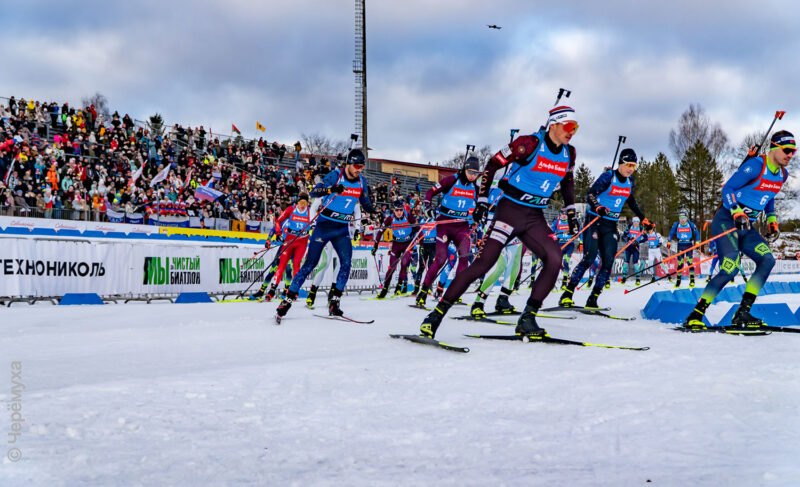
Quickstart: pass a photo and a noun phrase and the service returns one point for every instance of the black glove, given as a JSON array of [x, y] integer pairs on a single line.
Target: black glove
[[601, 210], [338, 189], [648, 225], [740, 218], [480, 213], [356, 234], [773, 231], [429, 212], [573, 221], [375, 248]]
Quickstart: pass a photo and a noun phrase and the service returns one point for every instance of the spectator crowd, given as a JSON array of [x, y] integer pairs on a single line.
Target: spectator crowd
[[61, 161]]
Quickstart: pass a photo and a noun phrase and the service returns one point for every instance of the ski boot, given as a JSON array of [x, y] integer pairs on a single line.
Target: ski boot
[[271, 293], [589, 282], [283, 308], [653, 278], [623, 279], [502, 305], [591, 301], [564, 282], [382, 294], [422, 296], [398, 289], [416, 285], [678, 281], [477, 311], [691, 282], [527, 326], [566, 298], [694, 322], [333, 303], [432, 321], [258, 294], [312, 296], [638, 282], [743, 318], [607, 284]]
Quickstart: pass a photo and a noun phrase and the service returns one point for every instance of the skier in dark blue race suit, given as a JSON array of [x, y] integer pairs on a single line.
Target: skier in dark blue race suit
[[748, 193], [687, 235], [341, 190], [606, 198]]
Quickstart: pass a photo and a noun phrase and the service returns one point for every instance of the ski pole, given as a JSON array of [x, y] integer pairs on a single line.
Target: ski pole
[[541, 264], [417, 237], [757, 148], [281, 250], [693, 247], [625, 247], [620, 141], [666, 276], [579, 233]]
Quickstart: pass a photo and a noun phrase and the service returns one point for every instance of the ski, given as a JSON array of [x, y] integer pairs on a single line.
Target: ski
[[572, 308], [431, 342], [597, 312], [415, 305], [388, 297], [553, 340], [345, 318], [504, 313], [725, 329], [780, 329], [486, 319]]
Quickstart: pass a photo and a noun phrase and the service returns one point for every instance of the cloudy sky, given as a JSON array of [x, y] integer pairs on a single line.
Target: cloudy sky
[[438, 77]]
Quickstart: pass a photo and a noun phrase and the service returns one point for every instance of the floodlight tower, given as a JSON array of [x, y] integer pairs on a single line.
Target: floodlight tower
[[360, 70]]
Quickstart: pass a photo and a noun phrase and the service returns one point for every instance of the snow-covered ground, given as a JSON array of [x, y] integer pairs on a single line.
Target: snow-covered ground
[[215, 394]]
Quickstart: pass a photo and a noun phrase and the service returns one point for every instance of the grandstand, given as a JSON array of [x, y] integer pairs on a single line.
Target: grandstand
[[61, 162]]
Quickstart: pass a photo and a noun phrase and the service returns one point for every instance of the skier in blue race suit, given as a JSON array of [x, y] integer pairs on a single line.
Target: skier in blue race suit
[[605, 199], [687, 235], [341, 190], [746, 195]]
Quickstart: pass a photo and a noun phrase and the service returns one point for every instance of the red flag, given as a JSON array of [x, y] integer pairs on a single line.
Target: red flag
[[235, 130]]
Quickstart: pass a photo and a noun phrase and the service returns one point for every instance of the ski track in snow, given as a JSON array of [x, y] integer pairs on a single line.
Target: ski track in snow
[[214, 394]]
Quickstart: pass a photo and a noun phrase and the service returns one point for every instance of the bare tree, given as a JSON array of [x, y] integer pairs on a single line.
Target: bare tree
[[457, 160], [319, 144], [694, 126], [100, 103]]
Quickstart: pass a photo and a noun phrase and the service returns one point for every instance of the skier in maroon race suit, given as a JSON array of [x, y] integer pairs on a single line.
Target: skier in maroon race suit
[[538, 163], [459, 201]]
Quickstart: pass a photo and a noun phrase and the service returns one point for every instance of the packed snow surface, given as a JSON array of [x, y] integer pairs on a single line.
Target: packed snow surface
[[216, 394]]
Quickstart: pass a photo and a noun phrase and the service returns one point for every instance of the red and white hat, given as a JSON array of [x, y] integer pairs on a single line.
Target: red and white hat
[[561, 114]]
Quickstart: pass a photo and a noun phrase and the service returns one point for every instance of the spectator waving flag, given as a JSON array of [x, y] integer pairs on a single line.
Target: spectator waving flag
[[162, 175], [206, 193], [136, 174], [260, 127], [236, 130]]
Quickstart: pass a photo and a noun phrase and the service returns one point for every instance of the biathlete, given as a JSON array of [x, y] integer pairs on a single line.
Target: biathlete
[[538, 163], [400, 223], [460, 193], [342, 190], [687, 234], [749, 192], [606, 198]]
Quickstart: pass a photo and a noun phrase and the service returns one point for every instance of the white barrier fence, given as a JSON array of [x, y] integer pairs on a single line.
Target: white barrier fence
[[52, 266]]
